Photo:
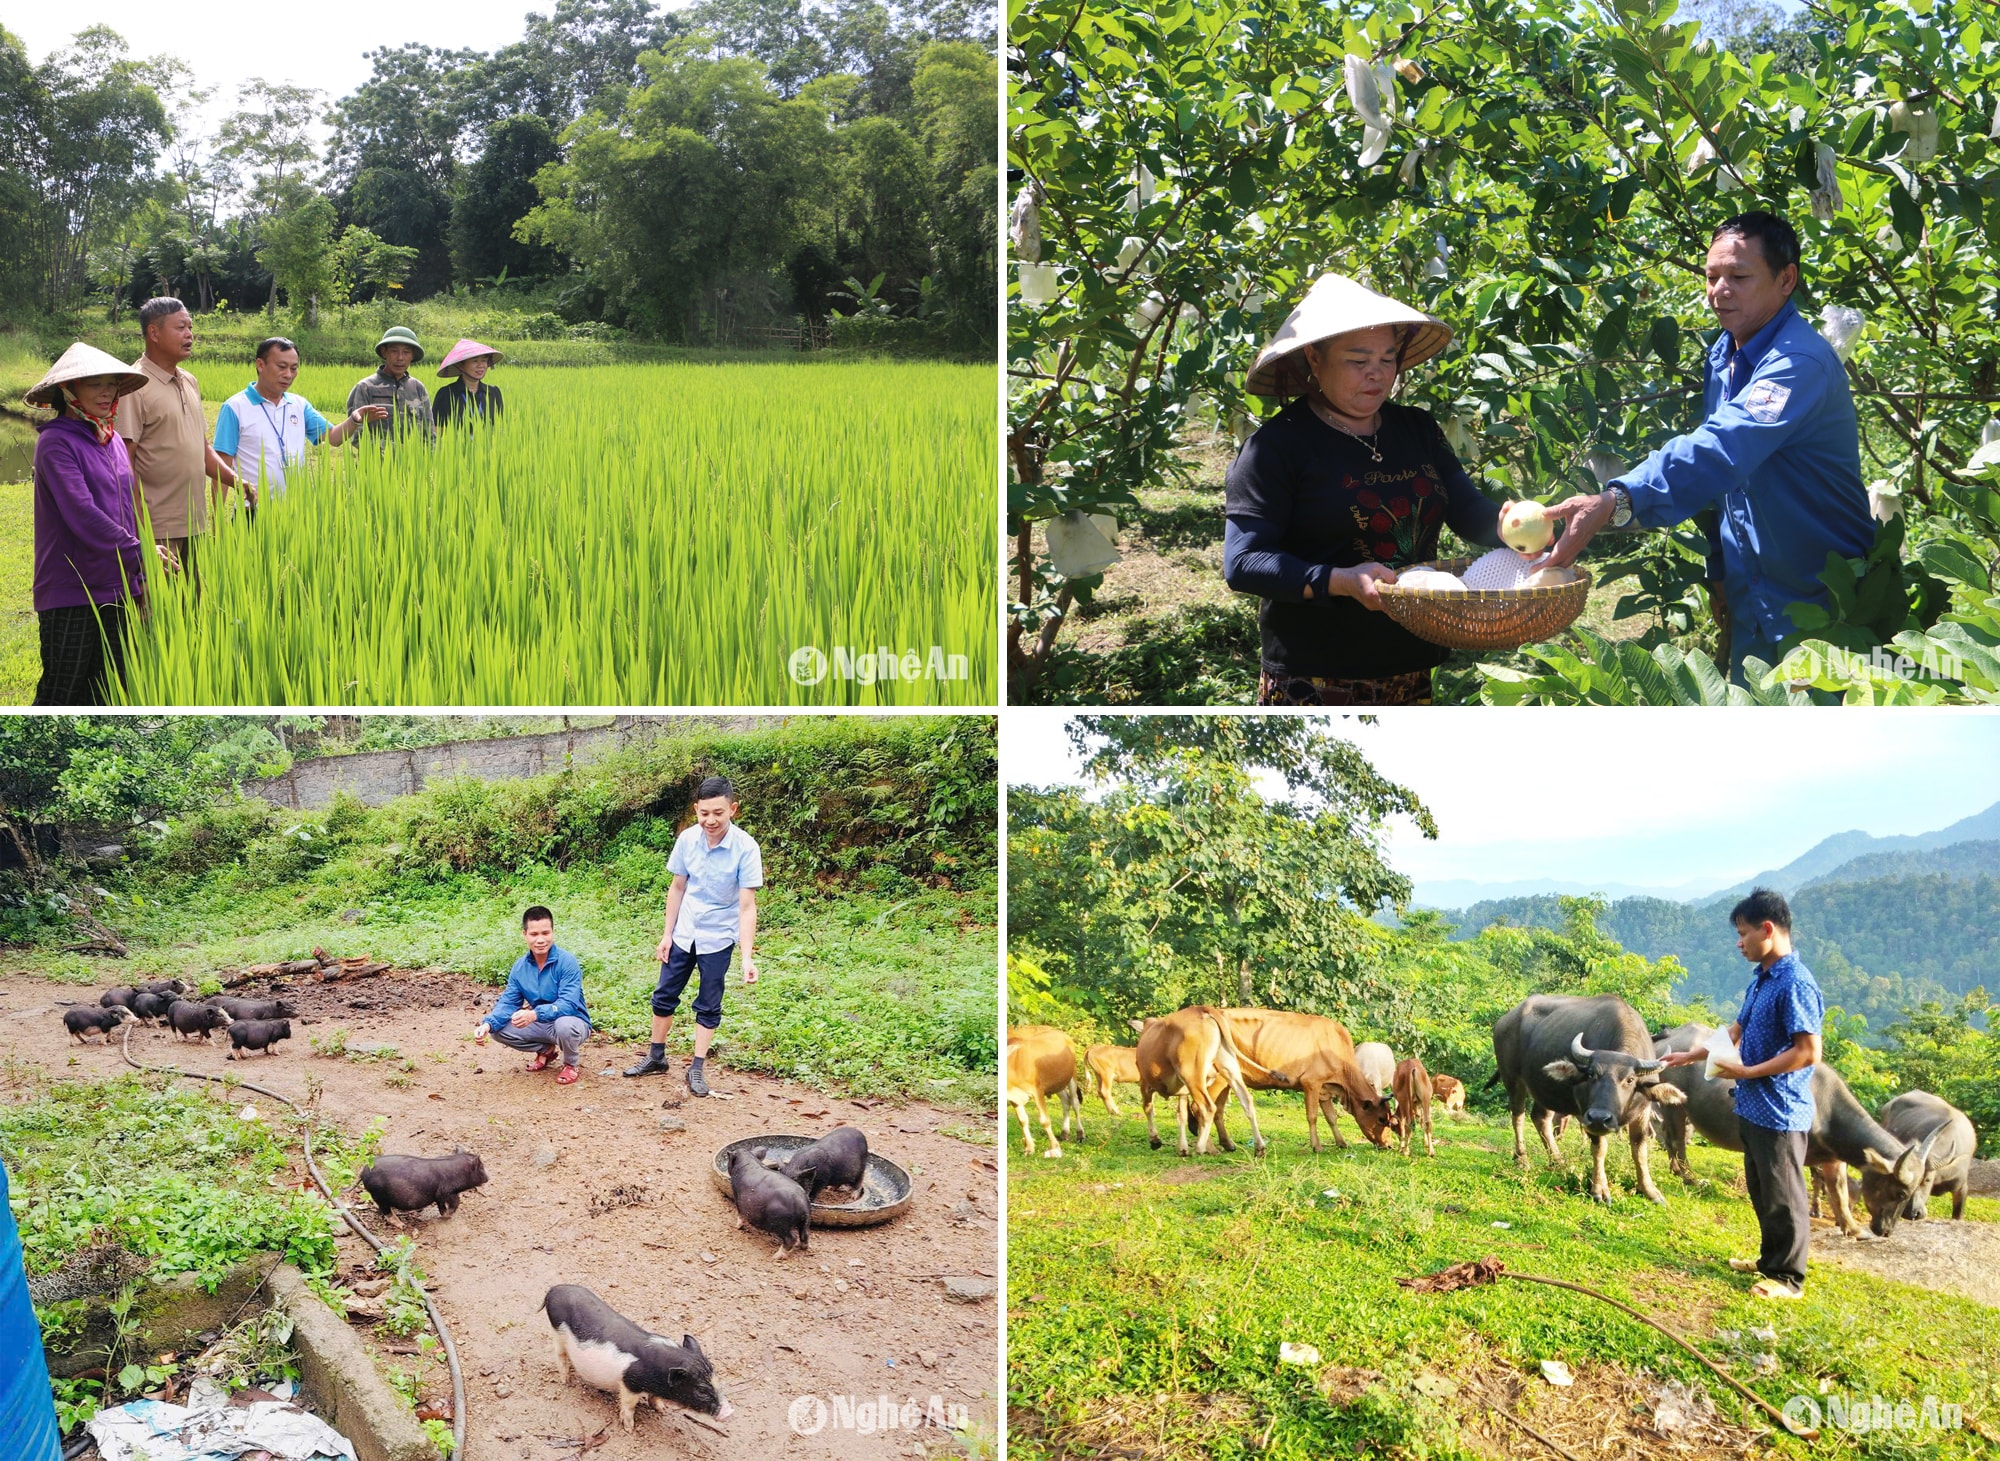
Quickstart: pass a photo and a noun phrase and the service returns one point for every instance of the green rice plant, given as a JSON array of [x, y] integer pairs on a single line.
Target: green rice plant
[[803, 534]]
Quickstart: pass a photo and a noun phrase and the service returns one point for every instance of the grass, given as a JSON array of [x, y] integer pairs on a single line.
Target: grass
[[1147, 1298], [1164, 629], [876, 994], [663, 535]]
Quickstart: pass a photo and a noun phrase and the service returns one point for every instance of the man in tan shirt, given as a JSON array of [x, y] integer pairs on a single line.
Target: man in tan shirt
[[167, 434]]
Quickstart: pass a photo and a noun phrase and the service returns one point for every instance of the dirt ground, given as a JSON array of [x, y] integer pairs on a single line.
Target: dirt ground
[[864, 1314], [1955, 1257]]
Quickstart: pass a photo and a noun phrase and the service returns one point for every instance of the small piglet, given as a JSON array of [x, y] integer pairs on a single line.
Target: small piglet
[[769, 1200], [246, 1035], [610, 1352], [150, 1007], [838, 1159], [187, 1018], [253, 1009], [82, 1021], [114, 998], [166, 986], [410, 1184]]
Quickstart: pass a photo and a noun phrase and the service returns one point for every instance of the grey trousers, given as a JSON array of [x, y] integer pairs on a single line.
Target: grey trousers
[[566, 1034], [1774, 1171]]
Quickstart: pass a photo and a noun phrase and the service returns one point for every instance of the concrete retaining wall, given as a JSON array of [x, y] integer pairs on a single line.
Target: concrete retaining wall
[[375, 777]]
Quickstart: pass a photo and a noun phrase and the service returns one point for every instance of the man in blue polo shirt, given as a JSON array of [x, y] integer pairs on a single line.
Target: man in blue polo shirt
[[542, 1007], [1778, 457], [711, 906], [265, 428], [1777, 1035]]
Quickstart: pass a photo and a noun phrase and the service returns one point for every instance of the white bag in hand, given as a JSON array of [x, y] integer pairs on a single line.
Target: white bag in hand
[[1720, 1047]]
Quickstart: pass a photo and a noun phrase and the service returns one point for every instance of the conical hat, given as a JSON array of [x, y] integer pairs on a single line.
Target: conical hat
[[81, 362], [1337, 305], [463, 351]]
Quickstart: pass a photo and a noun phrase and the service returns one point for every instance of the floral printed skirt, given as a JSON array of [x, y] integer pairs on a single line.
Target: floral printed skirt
[[1413, 688]]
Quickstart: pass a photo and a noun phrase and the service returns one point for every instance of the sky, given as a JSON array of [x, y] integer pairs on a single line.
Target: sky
[[226, 44], [1648, 798]]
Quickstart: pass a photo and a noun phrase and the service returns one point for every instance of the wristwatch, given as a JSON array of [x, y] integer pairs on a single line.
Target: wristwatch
[[1621, 506]]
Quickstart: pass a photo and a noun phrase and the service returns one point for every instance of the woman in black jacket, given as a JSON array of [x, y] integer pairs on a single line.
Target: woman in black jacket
[[1338, 491], [467, 398]]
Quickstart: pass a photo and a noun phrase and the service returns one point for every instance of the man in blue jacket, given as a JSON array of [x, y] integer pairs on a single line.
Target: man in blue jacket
[[1778, 457], [542, 1008]]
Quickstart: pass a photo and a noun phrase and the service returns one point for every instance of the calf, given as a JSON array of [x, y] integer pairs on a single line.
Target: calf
[[83, 1021], [769, 1201], [1042, 1063], [1111, 1065], [1413, 1103], [1449, 1094], [253, 1009], [248, 1035], [838, 1159], [1192, 1056], [609, 1352], [400, 1183], [1586, 1054], [1943, 1136], [187, 1018]]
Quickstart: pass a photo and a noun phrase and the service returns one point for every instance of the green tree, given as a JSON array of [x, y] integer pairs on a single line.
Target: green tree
[[363, 261], [493, 194], [298, 249], [954, 92]]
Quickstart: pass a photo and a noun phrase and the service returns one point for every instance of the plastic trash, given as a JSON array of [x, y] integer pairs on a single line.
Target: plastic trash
[[1557, 1373], [1720, 1047], [1297, 1354], [156, 1431]]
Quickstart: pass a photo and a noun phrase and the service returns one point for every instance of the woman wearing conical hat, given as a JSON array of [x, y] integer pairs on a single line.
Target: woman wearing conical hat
[[88, 556], [1338, 491], [468, 398]]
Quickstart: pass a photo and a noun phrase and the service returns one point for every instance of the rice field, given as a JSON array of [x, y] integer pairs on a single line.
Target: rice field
[[742, 534]]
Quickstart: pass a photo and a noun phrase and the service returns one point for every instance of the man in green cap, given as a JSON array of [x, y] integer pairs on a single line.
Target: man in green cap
[[393, 386]]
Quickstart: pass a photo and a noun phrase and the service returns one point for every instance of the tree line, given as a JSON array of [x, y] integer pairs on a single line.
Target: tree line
[[730, 165]]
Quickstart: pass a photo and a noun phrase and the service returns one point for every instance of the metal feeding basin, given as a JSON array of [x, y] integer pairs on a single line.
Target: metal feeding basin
[[885, 1187]]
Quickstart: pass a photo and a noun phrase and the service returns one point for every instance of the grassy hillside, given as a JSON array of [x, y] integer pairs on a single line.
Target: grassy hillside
[[1147, 1299]]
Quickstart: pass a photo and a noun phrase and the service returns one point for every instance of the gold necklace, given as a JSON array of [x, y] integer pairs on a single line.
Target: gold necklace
[[1325, 413]]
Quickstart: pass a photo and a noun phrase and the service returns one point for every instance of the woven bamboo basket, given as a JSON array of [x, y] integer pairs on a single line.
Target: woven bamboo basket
[[1488, 618]]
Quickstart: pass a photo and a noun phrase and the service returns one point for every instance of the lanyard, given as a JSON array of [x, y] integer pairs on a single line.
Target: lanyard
[[278, 426]]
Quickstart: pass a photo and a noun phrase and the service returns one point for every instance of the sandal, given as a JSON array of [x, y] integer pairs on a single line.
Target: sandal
[[543, 1059], [1743, 1265], [1774, 1288], [567, 1075]]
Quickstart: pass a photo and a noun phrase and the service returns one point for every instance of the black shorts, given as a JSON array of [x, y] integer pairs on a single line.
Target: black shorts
[[681, 963]]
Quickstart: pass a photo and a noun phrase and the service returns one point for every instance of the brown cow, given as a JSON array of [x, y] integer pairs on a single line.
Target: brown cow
[[1413, 1103], [1111, 1065], [1191, 1055], [1313, 1054], [1448, 1091], [1040, 1063]]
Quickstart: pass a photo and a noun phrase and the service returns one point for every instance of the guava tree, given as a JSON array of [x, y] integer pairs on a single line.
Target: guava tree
[[1544, 177]]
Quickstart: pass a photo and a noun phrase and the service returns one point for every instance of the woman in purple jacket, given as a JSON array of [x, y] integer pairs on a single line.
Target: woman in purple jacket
[[88, 557]]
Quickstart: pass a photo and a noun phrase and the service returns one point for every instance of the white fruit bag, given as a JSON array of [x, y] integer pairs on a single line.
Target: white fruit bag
[[1720, 1047], [1080, 543]]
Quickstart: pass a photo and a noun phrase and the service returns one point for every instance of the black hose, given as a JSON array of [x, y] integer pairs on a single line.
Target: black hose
[[347, 1216]]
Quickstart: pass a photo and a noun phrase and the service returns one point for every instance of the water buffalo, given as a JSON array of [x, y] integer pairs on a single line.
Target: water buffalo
[[1041, 1063], [1183, 1055], [1842, 1134], [1943, 1134], [1584, 1054], [1282, 1050]]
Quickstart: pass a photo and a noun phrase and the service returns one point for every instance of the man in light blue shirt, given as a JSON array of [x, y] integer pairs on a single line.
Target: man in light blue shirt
[[711, 907], [266, 427], [1778, 457], [542, 1007]]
